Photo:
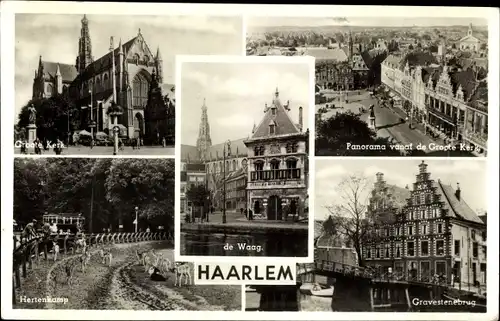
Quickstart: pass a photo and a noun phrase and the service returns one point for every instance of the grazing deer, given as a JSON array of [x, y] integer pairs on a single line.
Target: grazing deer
[[182, 269], [56, 249], [69, 268], [84, 260], [106, 256], [81, 244]]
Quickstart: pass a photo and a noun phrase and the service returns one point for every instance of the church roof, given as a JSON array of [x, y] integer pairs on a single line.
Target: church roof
[[469, 38], [284, 125], [457, 208], [104, 63], [189, 153], [417, 58], [238, 148], [68, 72]]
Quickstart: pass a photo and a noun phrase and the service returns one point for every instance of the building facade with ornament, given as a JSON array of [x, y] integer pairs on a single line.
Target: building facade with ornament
[[266, 172], [278, 164], [425, 231], [128, 74]]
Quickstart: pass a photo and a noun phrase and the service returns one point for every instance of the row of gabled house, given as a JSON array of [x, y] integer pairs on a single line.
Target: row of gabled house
[[450, 100]]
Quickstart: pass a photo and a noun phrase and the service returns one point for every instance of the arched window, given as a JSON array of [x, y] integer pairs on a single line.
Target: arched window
[[259, 171], [105, 82], [50, 89], [98, 85], [140, 88], [136, 59], [292, 171]]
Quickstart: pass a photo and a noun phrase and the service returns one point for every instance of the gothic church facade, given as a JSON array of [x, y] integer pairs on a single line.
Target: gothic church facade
[[127, 75]]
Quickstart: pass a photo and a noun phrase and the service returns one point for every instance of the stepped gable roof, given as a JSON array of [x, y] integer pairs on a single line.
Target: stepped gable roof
[[189, 153], [238, 148], [457, 208], [336, 54], [433, 72], [283, 124], [104, 63], [68, 72]]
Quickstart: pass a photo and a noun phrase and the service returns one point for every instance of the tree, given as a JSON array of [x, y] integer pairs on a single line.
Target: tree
[[30, 189], [145, 183], [197, 194], [348, 214], [52, 116], [333, 134], [410, 47]]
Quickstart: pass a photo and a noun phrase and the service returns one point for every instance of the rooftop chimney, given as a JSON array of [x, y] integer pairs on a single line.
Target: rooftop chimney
[[300, 118], [457, 192]]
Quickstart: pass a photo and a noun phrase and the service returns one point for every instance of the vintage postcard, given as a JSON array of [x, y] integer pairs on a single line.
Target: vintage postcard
[[390, 87], [244, 156]]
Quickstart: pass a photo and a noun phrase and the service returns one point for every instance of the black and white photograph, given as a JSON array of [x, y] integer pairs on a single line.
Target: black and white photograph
[[93, 234], [392, 86], [244, 156], [405, 235], [67, 100]]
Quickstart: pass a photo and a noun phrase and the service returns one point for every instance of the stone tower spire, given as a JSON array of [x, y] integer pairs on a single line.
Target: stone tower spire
[[469, 32], [84, 47], [159, 65], [204, 141], [350, 44]]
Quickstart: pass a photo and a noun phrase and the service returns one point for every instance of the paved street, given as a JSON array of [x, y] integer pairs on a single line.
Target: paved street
[[108, 151], [388, 121]]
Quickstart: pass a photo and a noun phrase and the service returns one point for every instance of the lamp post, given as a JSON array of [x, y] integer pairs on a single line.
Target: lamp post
[[136, 222], [411, 115], [114, 111], [69, 132], [92, 125], [227, 145]]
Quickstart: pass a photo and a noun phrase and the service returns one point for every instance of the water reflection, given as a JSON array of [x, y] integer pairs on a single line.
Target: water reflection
[[271, 244]]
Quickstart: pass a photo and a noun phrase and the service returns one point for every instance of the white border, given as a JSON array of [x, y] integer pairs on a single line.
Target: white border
[[7, 100], [271, 60]]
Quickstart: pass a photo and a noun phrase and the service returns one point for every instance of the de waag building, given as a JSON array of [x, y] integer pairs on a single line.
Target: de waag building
[[427, 231]]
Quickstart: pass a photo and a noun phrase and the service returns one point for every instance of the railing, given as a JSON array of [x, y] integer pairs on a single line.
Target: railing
[[25, 249], [372, 273], [275, 174]]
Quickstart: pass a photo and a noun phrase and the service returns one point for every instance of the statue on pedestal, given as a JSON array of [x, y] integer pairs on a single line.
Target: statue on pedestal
[[372, 112], [32, 114]]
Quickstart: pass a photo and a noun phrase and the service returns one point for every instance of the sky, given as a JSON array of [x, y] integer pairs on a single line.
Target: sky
[[55, 38], [236, 94], [360, 21], [471, 174]]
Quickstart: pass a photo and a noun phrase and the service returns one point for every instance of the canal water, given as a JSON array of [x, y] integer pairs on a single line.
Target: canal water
[[270, 244]]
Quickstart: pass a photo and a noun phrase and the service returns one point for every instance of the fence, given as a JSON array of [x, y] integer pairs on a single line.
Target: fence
[[25, 249]]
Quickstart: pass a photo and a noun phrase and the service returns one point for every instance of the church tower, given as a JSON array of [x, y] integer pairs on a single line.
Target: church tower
[[84, 47], [204, 141], [469, 32], [350, 45]]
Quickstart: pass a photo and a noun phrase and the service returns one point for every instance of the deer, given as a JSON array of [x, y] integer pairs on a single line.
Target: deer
[[56, 249], [182, 269], [106, 255], [84, 260]]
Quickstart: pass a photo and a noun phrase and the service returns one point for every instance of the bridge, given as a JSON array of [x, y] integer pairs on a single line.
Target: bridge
[[28, 250], [381, 290]]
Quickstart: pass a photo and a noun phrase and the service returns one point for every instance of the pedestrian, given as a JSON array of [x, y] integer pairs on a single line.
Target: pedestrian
[[148, 230], [164, 142], [250, 215], [241, 210], [138, 142], [246, 213]]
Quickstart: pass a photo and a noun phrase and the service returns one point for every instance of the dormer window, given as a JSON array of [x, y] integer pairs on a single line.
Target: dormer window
[[272, 127]]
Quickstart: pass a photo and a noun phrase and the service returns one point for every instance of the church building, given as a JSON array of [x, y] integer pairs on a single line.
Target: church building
[[469, 42], [127, 75]]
